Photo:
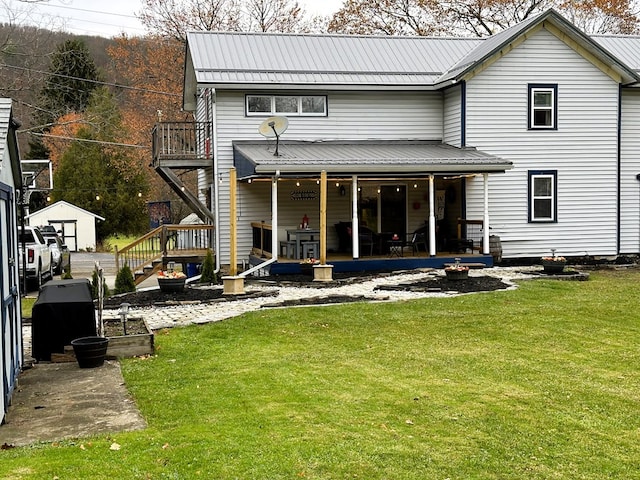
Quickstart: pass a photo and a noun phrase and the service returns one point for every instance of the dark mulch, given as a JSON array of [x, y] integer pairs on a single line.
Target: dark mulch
[[197, 294]]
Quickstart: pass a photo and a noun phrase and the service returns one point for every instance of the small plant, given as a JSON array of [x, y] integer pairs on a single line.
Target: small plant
[[94, 286], [171, 274], [310, 261], [553, 257], [456, 267], [124, 280], [208, 274]]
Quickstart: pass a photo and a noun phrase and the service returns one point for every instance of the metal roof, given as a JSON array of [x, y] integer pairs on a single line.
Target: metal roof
[[624, 47], [261, 58], [343, 62], [384, 158]]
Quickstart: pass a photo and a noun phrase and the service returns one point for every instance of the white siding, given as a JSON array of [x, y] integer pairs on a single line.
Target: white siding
[[630, 167], [453, 116], [351, 116], [583, 150]]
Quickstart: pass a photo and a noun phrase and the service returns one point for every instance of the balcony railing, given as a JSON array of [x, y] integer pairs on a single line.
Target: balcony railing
[[181, 144]]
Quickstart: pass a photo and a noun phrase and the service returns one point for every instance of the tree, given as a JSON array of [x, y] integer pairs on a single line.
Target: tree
[[387, 17], [96, 174], [477, 17], [173, 18]]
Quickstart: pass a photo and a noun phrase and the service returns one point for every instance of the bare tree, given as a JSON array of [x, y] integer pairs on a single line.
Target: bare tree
[[477, 17], [173, 18]]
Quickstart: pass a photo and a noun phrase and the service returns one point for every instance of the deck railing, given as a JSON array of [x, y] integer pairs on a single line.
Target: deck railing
[[166, 241], [180, 141], [262, 236]]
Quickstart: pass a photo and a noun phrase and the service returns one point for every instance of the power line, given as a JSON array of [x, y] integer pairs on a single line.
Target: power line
[[88, 140], [116, 85]]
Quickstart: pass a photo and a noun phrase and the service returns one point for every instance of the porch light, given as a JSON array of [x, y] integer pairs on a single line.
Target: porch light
[[97, 197], [139, 194], [337, 184], [48, 198], [317, 182], [397, 189], [415, 185], [298, 183], [250, 180]]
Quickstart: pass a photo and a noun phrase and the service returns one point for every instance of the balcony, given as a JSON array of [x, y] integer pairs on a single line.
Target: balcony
[[182, 145]]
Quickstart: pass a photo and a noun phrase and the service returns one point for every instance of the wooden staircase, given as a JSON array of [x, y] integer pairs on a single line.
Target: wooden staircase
[[150, 253]]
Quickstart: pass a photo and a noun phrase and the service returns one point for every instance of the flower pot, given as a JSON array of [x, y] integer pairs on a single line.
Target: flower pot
[[306, 268], [169, 285], [456, 275], [90, 351], [553, 266]]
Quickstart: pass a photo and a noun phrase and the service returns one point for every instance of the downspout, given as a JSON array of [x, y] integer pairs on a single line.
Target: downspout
[[215, 187], [619, 159]]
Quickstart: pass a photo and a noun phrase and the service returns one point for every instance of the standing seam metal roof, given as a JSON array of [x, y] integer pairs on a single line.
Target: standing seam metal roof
[[230, 58]]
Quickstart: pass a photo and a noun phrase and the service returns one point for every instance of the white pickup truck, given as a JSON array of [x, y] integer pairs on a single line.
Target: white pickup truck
[[37, 264]]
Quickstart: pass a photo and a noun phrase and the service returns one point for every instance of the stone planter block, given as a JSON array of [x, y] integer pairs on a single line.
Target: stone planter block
[[232, 285], [456, 275], [323, 273]]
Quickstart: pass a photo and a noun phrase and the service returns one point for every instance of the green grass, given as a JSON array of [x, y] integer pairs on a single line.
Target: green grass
[[26, 303], [538, 383], [110, 243]]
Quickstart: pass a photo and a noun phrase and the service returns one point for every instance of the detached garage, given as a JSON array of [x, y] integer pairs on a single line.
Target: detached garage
[[78, 226]]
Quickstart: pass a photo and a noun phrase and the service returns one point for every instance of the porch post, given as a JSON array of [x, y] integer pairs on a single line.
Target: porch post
[[275, 251], [233, 227], [323, 217], [355, 222], [432, 216], [485, 231]]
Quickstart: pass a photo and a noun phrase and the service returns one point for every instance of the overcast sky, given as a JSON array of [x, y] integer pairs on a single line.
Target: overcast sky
[[104, 18]]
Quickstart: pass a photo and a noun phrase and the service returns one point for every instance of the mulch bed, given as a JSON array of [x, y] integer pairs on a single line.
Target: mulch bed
[[210, 294]]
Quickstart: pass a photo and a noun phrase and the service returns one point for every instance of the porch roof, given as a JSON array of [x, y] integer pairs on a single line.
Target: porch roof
[[375, 157]]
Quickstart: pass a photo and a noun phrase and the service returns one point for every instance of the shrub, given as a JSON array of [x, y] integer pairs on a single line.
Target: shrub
[[208, 274], [94, 286], [124, 280]]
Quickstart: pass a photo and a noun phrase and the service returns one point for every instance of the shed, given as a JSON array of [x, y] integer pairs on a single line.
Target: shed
[[78, 226], [11, 354]]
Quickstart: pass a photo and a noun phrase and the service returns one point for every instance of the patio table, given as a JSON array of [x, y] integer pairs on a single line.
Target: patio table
[[300, 234]]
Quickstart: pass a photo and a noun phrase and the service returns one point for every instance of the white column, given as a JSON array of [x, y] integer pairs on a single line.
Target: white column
[[485, 225], [275, 246], [432, 216], [355, 222]]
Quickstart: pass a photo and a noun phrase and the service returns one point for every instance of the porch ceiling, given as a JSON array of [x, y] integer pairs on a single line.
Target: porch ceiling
[[383, 158]]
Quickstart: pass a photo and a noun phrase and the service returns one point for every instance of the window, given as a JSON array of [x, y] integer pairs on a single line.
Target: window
[[542, 196], [543, 107], [288, 105]]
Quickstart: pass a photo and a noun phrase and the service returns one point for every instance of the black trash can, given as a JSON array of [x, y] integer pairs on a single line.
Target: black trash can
[[64, 311]]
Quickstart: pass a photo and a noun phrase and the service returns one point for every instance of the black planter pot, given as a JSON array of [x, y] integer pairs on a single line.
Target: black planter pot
[[551, 266], [90, 351], [168, 285]]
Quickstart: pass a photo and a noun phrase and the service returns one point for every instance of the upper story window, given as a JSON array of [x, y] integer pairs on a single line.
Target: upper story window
[[543, 107], [288, 105], [543, 196]]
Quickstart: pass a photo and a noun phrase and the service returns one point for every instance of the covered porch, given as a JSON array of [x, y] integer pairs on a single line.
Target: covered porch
[[367, 205]]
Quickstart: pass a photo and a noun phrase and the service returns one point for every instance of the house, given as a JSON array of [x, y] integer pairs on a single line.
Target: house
[[532, 132], [77, 225], [11, 354]]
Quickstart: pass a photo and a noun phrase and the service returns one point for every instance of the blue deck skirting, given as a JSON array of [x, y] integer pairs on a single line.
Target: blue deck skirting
[[385, 264]]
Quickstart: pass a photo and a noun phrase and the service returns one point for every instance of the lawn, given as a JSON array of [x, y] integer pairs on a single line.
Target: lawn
[[537, 383]]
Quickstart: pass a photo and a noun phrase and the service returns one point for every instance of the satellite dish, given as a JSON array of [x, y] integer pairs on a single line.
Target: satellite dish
[[274, 127]]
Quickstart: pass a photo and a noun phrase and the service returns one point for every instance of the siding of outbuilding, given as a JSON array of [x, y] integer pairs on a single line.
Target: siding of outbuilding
[[630, 167], [583, 149], [11, 354], [351, 116]]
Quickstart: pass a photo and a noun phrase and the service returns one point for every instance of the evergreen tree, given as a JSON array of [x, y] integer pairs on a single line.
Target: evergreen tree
[[124, 281], [72, 76], [98, 176]]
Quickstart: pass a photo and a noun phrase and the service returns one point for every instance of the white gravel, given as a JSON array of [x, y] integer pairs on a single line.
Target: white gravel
[[180, 315]]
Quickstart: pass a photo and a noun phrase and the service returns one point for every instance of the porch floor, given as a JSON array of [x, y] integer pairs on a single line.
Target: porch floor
[[346, 263]]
